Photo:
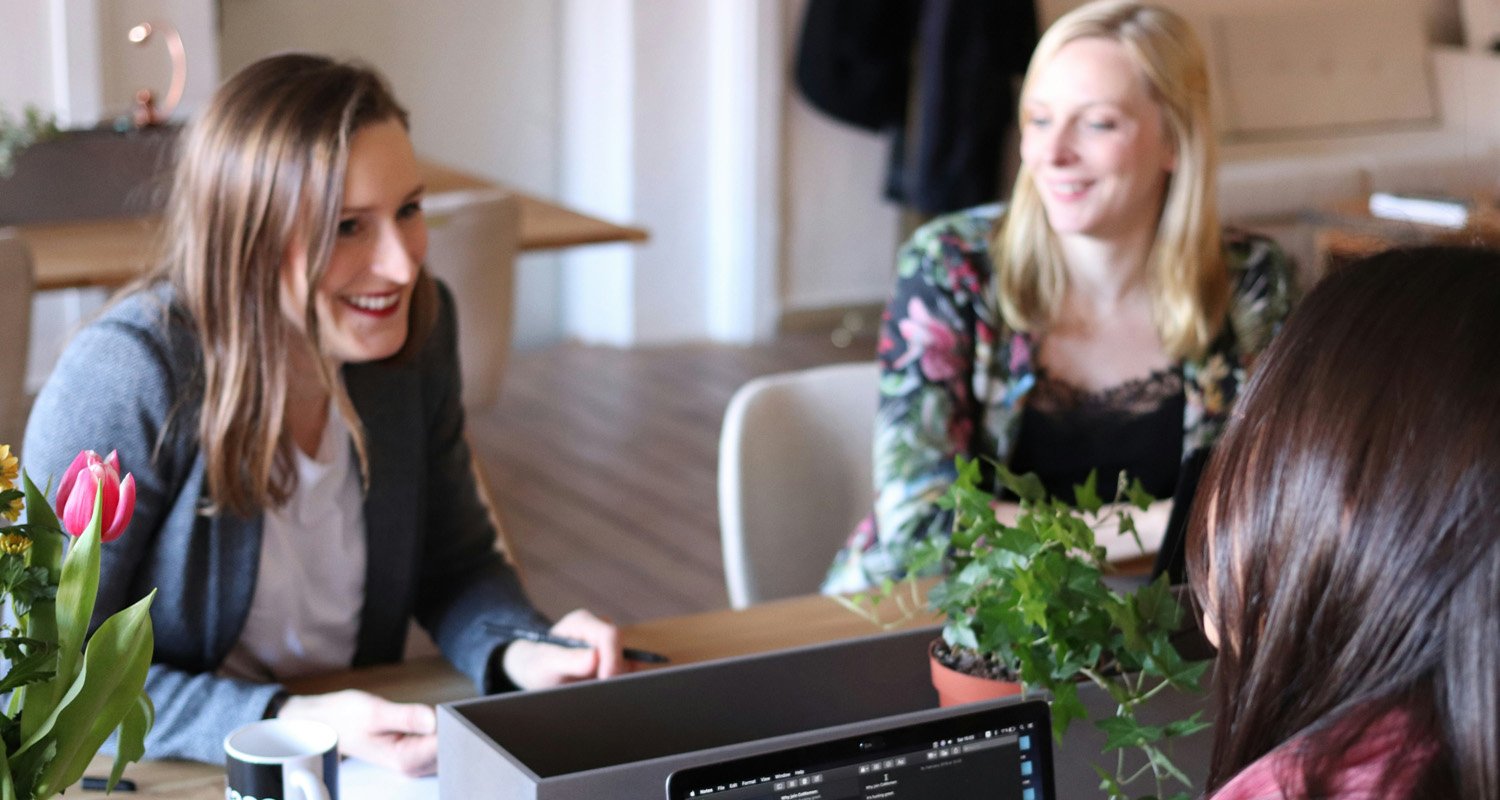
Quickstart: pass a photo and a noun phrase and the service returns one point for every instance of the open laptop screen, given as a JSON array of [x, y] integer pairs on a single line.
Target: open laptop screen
[[995, 753]]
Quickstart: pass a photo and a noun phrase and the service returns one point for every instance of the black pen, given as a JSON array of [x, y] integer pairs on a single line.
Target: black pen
[[533, 635], [92, 783]]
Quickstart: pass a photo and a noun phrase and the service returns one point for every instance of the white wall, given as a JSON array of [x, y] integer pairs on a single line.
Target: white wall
[[669, 120], [479, 77], [25, 55]]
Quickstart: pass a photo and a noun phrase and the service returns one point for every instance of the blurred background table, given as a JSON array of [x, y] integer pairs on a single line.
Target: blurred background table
[[108, 253], [1347, 231]]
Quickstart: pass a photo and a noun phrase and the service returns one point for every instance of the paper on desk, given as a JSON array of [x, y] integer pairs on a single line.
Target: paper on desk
[[365, 780]]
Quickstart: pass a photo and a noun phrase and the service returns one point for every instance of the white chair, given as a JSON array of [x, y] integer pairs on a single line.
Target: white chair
[[794, 477], [17, 283], [473, 237]]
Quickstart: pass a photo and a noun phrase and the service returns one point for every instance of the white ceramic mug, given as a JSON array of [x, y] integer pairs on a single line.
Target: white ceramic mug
[[282, 759]]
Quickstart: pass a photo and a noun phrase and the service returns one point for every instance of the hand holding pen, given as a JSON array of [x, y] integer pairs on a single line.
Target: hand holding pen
[[542, 637], [589, 648]]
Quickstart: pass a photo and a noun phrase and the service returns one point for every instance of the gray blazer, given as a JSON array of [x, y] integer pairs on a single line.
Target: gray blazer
[[131, 381]]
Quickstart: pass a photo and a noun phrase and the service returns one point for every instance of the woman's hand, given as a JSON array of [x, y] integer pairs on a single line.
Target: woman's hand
[[399, 736], [532, 665]]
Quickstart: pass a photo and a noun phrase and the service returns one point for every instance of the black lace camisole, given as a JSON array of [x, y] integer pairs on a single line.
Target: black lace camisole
[[1135, 427]]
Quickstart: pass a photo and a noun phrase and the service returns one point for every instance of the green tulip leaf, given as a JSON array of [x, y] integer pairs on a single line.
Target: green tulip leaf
[[78, 590], [110, 683], [26, 768], [132, 744]]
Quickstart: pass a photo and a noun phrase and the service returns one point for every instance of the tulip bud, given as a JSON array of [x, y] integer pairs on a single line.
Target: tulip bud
[[82, 482]]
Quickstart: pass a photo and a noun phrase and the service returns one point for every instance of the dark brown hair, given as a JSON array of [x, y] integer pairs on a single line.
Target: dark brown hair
[[1351, 518], [263, 166]]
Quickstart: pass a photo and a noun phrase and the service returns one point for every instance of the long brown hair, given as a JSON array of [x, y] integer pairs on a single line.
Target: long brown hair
[[259, 172], [1188, 278], [1351, 518]]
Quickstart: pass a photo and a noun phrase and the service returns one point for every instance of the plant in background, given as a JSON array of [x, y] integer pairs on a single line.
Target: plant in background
[[65, 697], [15, 136], [1028, 602]]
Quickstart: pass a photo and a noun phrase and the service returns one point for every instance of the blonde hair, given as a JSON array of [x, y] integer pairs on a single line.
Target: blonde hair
[[1186, 274], [259, 172]]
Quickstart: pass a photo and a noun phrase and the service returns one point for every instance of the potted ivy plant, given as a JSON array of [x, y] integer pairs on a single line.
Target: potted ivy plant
[[1028, 603]]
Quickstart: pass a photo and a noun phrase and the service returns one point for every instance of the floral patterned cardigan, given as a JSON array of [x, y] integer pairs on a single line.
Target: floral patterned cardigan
[[954, 378]]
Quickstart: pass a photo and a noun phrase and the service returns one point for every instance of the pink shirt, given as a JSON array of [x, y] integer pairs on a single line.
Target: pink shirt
[[1362, 776]]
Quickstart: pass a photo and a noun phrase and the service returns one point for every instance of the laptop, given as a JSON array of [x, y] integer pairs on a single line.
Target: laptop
[[995, 753]]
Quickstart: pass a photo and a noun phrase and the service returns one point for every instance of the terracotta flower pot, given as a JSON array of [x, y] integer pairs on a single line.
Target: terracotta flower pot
[[955, 688]]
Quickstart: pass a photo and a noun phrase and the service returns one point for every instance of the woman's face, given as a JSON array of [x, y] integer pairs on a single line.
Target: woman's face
[[364, 299], [1093, 139]]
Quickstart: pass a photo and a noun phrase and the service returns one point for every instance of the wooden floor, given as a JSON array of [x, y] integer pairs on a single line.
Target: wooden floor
[[603, 463]]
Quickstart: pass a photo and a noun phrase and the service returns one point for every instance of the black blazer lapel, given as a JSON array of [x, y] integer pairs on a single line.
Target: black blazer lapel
[[388, 400]]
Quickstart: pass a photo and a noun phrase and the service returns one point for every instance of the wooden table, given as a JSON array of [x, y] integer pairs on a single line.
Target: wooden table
[[108, 253], [686, 640], [1347, 231]]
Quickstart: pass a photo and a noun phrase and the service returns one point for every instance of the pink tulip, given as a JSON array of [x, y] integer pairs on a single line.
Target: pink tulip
[[80, 484]]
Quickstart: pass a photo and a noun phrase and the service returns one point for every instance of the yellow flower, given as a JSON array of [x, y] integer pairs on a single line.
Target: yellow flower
[[10, 468], [12, 509], [14, 543]]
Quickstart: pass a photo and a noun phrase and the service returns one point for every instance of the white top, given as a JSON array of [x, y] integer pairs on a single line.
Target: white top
[[304, 617]]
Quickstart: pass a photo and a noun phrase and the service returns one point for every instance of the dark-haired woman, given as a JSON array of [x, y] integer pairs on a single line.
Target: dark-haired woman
[[1346, 543], [284, 387]]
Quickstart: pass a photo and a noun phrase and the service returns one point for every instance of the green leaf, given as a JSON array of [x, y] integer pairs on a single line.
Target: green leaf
[[1108, 783], [38, 701], [39, 515], [78, 590], [1122, 731], [1160, 759], [1157, 608], [1137, 495], [1028, 487], [1186, 727], [29, 669], [27, 768], [7, 783], [1086, 495], [132, 743], [960, 635], [110, 684], [24, 584], [1066, 707]]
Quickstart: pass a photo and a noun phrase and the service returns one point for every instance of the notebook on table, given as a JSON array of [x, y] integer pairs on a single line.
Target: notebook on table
[[994, 753]]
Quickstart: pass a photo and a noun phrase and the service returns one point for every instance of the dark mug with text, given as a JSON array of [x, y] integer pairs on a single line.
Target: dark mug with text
[[282, 759]]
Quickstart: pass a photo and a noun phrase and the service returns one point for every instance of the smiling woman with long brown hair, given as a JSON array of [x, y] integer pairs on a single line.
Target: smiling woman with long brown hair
[[1346, 543], [284, 386]]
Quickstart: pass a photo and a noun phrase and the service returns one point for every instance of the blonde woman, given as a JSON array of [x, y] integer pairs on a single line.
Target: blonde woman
[[285, 389], [1102, 321]]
